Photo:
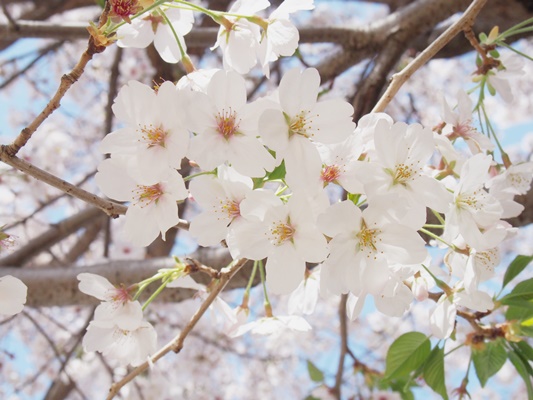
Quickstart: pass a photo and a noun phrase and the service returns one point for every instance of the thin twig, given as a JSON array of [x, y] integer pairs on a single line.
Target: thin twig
[[47, 203], [109, 207], [67, 81], [177, 343], [42, 53], [398, 79]]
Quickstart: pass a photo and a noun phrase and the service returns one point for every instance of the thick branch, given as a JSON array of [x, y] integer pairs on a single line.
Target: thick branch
[[58, 286]]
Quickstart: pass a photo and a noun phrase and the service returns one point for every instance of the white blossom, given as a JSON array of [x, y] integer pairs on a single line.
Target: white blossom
[[12, 295]]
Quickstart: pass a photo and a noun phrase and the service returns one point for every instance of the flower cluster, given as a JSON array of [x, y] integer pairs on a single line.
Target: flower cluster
[[269, 171], [118, 329]]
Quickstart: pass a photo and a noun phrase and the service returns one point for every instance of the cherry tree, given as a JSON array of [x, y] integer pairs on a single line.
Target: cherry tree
[[291, 199]]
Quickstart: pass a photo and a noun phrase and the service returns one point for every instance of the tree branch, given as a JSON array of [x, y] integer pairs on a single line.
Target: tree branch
[[58, 285], [67, 81], [466, 20]]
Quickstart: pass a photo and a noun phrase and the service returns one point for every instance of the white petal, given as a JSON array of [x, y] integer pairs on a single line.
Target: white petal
[[285, 270], [12, 295]]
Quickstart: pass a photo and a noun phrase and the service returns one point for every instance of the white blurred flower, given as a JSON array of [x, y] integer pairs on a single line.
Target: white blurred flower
[[461, 124], [512, 67], [13, 294], [273, 325], [132, 346]]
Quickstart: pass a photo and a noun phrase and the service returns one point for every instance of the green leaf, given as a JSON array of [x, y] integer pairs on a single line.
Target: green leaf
[[278, 172], [491, 89], [519, 310], [403, 388], [433, 372], [489, 360], [101, 3], [525, 349], [406, 354], [522, 291], [482, 37], [314, 373], [522, 369], [517, 265]]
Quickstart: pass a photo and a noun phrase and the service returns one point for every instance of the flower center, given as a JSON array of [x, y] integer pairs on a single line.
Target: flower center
[[119, 295], [330, 173], [125, 8], [230, 208], [474, 200], [368, 238], [281, 232], [519, 182], [153, 136], [403, 173], [146, 195], [463, 130], [227, 124], [488, 259], [299, 125]]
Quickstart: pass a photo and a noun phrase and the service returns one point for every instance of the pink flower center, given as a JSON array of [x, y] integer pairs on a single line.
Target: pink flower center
[[146, 195], [230, 208], [227, 124], [463, 130], [154, 136], [120, 295], [125, 8], [281, 232], [330, 173]]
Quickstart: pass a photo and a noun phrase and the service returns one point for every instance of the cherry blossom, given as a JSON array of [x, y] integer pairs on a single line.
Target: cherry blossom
[[239, 38], [117, 304], [127, 346], [12, 295], [289, 238], [473, 207], [363, 247], [461, 124], [401, 151], [226, 128], [164, 26], [153, 209], [281, 37], [442, 319], [154, 135], [300, 119], [512, 67]]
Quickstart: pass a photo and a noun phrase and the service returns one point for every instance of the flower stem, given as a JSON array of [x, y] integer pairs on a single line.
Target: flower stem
[[188, 178], [167, 280], [185, 59], [436, 237], [268, 306]]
